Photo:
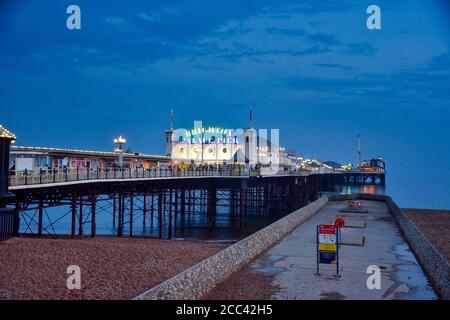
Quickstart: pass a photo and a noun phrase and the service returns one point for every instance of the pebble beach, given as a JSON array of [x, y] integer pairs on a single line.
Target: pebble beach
[[111, 267]]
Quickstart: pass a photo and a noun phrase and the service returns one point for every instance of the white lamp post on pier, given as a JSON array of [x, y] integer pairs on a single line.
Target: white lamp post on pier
[[119, 141]]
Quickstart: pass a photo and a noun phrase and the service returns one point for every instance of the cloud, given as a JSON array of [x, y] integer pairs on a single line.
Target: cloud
[[149, 17], [317, 38], [335, 66], [287, 32], [207, 68], [114, 20], [319, 43], [440, 63], [429, 83], [314, 7], [333, 85], [360, 49], [119, 33], [251, 53], [205, 34], [324, 38]]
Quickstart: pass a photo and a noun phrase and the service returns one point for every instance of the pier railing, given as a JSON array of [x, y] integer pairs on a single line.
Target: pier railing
[[50, 176], [46, 176], [33, 177]]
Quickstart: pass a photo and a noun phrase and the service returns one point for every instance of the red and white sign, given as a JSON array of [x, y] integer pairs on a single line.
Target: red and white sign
[[351, 204], [327, 246], [327, 229], [359, 205]]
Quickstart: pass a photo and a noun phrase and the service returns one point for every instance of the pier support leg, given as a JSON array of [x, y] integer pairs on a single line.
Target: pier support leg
[[131, 213], [169, 235], [114, 212], [160, 213], [122, 212], [183, 205], [93, 212], [190, 204], [266, 199], [119, 215], [40, 216], [175, 217], [243, 203], [80, 217], [122, 217], [232, 203], [144, 212], [291, 197], [212, 207], [74, 217], [152, 211]]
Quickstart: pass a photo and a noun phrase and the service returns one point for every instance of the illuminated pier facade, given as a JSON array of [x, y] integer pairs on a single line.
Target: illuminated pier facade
[[218, 146]]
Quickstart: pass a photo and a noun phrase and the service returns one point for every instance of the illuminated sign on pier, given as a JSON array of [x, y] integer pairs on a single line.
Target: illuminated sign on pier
[[210, 140], [209, 135]]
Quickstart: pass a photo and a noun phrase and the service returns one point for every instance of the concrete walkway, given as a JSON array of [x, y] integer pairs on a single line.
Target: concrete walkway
[[292, 262]]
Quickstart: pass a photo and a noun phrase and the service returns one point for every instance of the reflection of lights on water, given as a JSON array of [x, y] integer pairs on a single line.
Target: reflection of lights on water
[[369, 189], [348, 189]]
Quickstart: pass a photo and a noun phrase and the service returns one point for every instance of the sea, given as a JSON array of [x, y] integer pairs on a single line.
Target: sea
[[408, 191]]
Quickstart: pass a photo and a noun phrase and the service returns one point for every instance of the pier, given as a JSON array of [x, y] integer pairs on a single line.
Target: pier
[[163, 200], [140, 195]]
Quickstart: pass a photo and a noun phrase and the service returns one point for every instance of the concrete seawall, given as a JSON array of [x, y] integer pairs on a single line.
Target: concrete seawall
[[198, 280]]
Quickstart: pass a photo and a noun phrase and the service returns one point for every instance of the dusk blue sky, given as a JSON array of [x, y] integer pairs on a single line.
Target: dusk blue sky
[[310, 68]]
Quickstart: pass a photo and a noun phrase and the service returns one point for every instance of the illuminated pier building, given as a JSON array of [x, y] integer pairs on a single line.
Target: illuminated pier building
[[215, 145]]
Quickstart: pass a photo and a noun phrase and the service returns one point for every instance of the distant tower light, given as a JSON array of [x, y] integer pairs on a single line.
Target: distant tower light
[[359, 151]]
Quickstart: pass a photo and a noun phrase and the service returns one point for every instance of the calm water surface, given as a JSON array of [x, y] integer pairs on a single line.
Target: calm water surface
[[412, 191]]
